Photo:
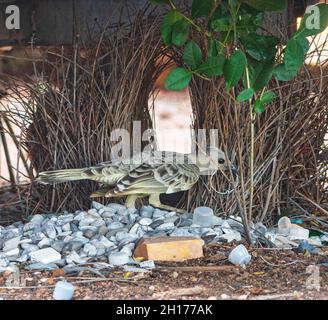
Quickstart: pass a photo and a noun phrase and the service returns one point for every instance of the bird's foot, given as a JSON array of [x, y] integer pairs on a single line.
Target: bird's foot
[[130, 201], [155, 202]]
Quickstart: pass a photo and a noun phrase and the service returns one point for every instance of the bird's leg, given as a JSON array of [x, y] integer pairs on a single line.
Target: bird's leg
[[155, 201], [130, 201]]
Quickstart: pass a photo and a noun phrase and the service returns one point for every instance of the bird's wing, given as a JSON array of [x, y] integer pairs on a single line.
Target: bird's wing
[[106, 172], [157, 178]]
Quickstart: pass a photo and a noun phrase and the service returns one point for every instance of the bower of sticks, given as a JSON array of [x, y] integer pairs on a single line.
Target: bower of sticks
[[78, 96]]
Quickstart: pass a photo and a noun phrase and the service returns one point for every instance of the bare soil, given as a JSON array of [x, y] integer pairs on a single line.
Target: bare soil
[[272, 274]]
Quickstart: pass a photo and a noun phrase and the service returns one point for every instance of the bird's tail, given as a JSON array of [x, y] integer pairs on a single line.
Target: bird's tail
[[57, 176]]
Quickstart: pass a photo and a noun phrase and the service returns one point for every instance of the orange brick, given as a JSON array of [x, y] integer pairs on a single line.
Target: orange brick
[[170, 248]]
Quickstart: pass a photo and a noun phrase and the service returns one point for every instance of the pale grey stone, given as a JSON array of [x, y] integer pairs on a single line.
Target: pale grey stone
[[129, 238], [44, 243], [134, 229], [37, 218], [80, 216], [46, 256], [118, 258], [181, 232], [90, 250], [166, 226], [159, 214], [97, 205], [93, 213], [88, 233], [50, 231], [11, 243], [132, 218], [58, 245], [115, 225], [36, 237], [98, 223], [145, 221], [102, 230], [66, 227], [107, 243], [146, 213], [73, 257], [86, 221], [108, 214], [127, 250]]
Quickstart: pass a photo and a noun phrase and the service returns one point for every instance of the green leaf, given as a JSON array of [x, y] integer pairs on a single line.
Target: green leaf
[[192, 55], [260, 74], [258, 106], [315, 21], [212, 67], [268, 97], [234, 68], [249, 19], [201, 8], [294, 55], [245, 95], [180, 32], [260, 47], [213, 49], [178, 79], [267, 5], [282, 74], [167, 25], [223, 24], [304, 43]]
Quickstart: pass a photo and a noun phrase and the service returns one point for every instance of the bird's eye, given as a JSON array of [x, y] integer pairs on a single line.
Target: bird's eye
[[221, 161]]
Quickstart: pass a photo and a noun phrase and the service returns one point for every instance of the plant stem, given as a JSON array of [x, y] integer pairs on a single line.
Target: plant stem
[[251, 156]]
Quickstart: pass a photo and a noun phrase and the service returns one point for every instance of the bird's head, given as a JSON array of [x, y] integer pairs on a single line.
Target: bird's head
[[214, 160]]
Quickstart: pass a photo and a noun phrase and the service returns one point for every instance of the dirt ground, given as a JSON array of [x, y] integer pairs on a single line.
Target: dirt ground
[[272, 274]]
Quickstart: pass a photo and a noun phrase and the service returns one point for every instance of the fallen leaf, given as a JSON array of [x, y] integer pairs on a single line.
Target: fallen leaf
[[58, 273]]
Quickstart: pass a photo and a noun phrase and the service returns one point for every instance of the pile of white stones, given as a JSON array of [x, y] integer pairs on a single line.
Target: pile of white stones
[[106, 234]]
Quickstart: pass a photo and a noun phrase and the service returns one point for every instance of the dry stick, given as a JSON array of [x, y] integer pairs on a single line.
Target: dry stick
[[76, 282], [312, 202], [6, 150], [273, 296], [267, 203], [251, 156], [198, 269]]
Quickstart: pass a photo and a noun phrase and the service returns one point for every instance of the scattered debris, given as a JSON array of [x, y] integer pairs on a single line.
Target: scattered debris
[[305, 246]]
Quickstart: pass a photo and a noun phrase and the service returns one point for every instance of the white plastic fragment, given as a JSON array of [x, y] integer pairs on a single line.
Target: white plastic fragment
[[148, 264], [231, 236], [298, 233], [203, 216], [239, 256], [284, 225], [63, 291], [118, 258], [134, 269]]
